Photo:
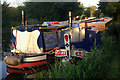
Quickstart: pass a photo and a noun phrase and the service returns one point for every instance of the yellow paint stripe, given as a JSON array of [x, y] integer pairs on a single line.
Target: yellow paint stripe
[[52, 27]]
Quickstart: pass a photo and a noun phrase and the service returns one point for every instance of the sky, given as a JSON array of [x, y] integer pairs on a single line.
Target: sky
[[86, 3]]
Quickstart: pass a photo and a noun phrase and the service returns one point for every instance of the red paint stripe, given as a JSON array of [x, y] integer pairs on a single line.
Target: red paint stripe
[[28, 64], [26, 71]]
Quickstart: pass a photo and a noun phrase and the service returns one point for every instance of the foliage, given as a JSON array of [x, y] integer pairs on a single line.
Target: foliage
[[97, 13], [51, 11], [110, 8], [11, 16], [90, 11], [5, 14], [87, 12], [37, 12], [113, 30]]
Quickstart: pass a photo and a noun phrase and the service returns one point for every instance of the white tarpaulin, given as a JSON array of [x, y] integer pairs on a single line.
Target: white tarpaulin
[[27, 41]]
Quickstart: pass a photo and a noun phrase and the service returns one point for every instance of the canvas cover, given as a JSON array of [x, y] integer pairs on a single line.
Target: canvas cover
[[27, 42]]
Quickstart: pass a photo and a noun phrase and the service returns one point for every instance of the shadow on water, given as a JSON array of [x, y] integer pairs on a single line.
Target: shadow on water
[[6, 40], [15, 76], [6, 37], [6, 46]]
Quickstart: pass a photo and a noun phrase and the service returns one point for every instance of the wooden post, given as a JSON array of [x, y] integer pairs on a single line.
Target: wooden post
[[70, 26], [70, 19], [23, 18]]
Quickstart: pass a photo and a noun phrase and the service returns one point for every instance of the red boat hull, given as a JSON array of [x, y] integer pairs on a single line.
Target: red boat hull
[[28, 68], [29, 71]]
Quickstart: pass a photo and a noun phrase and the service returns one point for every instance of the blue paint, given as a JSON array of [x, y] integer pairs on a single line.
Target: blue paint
[[87, 43]]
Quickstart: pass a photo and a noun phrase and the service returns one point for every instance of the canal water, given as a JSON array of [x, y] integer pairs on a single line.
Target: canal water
[[6, 38]]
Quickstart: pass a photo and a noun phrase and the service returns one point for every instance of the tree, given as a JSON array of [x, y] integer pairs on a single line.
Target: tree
[[11, 16], [37, 12], [97, 13], [87, 12], [92, 8], [111, 9], [51, 10], [5, 14]]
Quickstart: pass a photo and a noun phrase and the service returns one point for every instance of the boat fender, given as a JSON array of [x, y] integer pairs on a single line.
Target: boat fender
[[12, 60]]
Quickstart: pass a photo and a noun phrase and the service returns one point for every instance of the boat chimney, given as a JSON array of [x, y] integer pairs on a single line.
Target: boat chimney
[[23, 18], [70, 19]]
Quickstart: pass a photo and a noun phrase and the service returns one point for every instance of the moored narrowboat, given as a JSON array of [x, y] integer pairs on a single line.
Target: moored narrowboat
[[32, 44]]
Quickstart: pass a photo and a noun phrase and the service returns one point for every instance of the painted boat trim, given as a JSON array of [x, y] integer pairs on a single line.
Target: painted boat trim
[[33, 59], [9, 70], [28, 64]]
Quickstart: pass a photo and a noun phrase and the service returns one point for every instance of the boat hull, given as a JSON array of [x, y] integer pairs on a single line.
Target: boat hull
[[27, 64], [27, 68]]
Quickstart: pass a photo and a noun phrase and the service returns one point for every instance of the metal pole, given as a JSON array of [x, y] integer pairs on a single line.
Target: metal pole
[[23, 18]]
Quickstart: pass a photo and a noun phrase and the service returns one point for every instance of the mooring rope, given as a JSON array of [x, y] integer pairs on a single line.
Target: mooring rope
[[49, 52]]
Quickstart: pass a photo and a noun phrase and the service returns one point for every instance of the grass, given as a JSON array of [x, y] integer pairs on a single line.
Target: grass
[[114, 68], [97, 65]]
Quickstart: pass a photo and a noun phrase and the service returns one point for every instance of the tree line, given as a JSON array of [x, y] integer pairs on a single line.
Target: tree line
[[37, 12]]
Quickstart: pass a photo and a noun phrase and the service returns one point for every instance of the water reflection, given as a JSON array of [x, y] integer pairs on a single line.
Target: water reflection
[[0, 70], [15, 76], [6, 37], [4, 72]]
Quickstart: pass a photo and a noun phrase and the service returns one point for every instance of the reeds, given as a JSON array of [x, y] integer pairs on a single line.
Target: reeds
[[96, 64]]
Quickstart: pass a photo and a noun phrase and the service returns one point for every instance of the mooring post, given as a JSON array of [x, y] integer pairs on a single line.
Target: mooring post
[[23, 18]]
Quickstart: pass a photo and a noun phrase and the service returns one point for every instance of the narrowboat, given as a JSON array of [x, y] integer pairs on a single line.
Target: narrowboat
[[32, 44]]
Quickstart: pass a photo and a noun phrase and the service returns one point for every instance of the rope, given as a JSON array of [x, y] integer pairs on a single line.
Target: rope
[[50, 52]]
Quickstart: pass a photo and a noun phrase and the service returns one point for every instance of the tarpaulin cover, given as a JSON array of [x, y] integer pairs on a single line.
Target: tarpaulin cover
[[28, 42]]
